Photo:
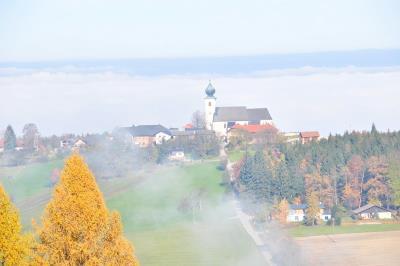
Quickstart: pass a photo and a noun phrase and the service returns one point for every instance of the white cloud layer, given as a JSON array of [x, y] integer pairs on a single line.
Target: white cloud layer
[[329, 100]]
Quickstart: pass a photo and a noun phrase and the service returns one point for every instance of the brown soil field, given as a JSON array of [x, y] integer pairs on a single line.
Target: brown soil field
[[351, 249]]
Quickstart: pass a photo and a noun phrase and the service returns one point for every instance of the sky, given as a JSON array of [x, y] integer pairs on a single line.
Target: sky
[[91, 65], [92, 29]]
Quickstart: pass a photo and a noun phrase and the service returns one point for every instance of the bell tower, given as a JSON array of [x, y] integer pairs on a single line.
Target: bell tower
[[209, 105]]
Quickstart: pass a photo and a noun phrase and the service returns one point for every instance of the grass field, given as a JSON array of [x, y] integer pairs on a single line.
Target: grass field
[[367, 249], [235, 155], [148, 205], [303, 231]]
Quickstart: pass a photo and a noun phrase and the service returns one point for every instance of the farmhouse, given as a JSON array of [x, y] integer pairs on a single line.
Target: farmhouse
[[221, 119], [146, 135], [302, 137], [371, 211], [297, 213], [308, 136], [254, 133]]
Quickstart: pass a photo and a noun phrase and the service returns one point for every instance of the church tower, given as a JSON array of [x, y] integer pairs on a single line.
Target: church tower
[[209, 106]]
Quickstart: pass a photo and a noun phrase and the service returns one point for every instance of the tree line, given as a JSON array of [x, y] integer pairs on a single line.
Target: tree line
[[346, 171]]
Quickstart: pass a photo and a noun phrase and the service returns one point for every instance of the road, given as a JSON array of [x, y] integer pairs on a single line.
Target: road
[[245, 219]]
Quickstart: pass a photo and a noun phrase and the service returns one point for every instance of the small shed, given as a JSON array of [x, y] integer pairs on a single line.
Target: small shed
[[371, 211], [177, 155]]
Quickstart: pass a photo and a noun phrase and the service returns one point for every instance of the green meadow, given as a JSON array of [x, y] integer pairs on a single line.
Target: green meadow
[[149, 203]]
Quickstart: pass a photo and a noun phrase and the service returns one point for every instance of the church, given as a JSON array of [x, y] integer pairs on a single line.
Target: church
[[222, 119]]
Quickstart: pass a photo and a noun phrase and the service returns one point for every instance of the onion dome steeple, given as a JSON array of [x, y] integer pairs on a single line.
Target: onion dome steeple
[[210, 90]]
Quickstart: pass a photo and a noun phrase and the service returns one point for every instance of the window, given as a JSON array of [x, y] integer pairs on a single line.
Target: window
[[296, 218], [209, 104], [326, 218]]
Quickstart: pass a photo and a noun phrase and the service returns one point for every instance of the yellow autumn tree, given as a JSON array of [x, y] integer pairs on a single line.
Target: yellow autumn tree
[[14, 247], [313, 208], [282, 211], [77, 228]]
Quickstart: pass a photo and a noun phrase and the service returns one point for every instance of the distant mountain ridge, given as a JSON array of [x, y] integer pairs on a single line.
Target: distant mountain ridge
[[226, 65]]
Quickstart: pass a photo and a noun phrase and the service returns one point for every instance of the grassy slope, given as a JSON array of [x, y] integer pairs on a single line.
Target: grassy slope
[[301, 230], [165, 236], [161, 234], [24, 181]]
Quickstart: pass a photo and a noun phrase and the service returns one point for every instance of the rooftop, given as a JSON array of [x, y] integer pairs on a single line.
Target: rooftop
[[240, 113]]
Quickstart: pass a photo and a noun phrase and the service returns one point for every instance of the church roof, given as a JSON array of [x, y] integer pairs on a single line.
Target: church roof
[[240, 113], [231, 113], [256, 114]]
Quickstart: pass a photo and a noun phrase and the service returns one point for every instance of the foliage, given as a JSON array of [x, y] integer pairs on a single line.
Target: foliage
[[282, 211], [352, 169], [198, 119], [313, 209], [30, 136], [10, 140], [199, 146], [77, 227], [14, 247]]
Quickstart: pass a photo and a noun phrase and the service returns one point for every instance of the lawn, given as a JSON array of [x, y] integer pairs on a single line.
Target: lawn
[[25, 181], [235, 155], [148, 204], [163, 235], [302, 230]]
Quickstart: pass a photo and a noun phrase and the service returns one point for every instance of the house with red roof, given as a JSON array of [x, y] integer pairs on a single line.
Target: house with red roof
[[255, 133], [308, 136]]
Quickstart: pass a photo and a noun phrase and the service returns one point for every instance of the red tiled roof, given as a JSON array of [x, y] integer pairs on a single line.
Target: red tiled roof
[[188, 126], [256, 128], [309, 134]]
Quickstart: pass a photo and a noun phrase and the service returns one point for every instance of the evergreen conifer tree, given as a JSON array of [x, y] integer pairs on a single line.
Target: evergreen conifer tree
[[10, 140]]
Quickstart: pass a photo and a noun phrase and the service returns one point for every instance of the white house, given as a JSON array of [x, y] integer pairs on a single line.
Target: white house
[[371, 211], [297, 213], [221, 119], [177, 155]]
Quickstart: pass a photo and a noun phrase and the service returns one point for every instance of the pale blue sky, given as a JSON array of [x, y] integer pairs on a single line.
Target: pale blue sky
[[87, 29]]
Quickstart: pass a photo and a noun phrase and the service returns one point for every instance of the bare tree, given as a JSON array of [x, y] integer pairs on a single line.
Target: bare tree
[[198, 119], [31, 136]]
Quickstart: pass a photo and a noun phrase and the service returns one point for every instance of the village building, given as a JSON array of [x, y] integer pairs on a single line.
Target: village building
[[309, 136], [297, 213], [371, 211], [254, 133], [222, 119], [177, 155], [146, 135], [190, 133], [302, 137]]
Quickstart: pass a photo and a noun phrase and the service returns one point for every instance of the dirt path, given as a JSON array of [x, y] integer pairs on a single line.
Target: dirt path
[[245, 219], [352, 249]]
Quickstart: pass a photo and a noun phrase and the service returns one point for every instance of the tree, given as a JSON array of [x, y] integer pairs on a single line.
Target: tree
[[394, 180], [282, 211], [198, 120], [262, 178], [14, 247], [312, 211], [377, 185], [10, 140], [30, 136], [77, 227]]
